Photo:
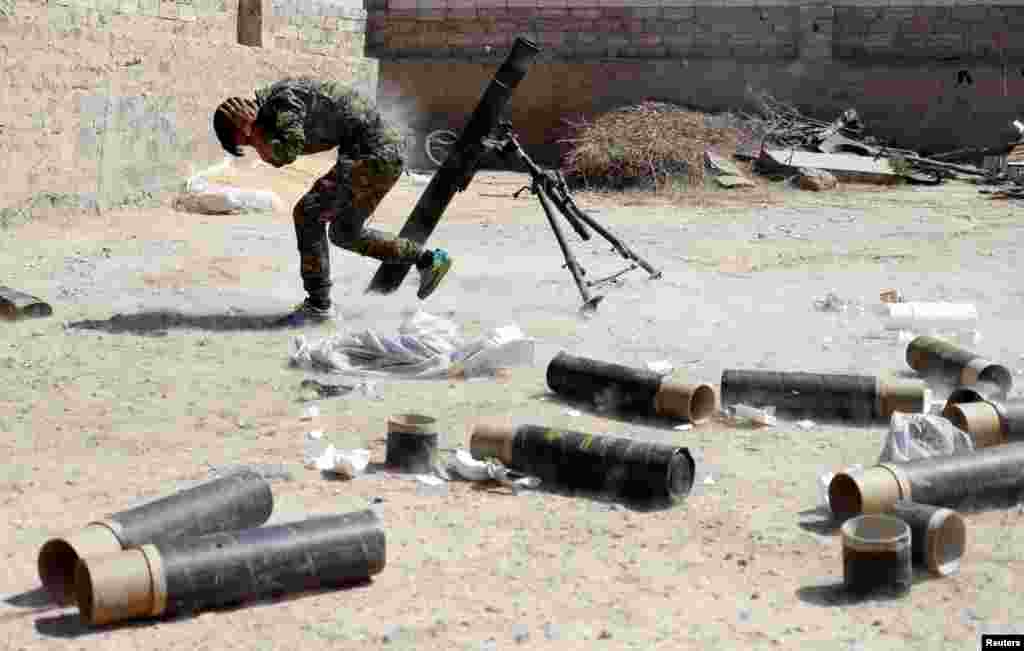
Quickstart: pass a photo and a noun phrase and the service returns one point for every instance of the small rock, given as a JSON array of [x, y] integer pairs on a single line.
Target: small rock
[[745, 614], [605, 634], [551, 631], [391, 633], [520, 633]]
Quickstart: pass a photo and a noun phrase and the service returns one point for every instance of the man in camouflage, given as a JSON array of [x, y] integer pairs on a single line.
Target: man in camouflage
[[299, 116]]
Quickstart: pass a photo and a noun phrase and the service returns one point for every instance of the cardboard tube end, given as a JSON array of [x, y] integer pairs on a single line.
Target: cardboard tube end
[[114, 587], [58, 557], [681, 474], [997, 375], [947, 539], [979, 419], [874, 491], [492, 438], [412, 424], [692, 402], [907, 396]]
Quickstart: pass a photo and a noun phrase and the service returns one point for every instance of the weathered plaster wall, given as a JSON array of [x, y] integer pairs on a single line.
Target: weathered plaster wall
[[103, 100]]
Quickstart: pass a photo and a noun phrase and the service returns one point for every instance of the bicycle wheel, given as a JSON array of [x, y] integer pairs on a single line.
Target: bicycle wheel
[[438, 145]]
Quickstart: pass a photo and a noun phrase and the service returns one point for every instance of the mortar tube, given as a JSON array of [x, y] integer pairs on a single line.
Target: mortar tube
[[237, 501], [227, 568], [629, 389], [623, 467], [933, 357], [939, 535], [855, 397], [941, 481]]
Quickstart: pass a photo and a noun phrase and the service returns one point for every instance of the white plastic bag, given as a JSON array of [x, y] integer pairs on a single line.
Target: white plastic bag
[[426, 346], [920, 436]]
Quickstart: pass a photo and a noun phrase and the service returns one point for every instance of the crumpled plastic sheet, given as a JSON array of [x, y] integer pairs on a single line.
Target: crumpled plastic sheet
[[463, 464], [426, 346], [920, 436]]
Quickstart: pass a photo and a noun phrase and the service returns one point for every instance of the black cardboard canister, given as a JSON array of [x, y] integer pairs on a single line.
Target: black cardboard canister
[[940, 481], [412, 443], [859, 398], [188, 575], [877, 555], [237, 501], [622, 467], [623, 388], [938, 358], [938, 535]]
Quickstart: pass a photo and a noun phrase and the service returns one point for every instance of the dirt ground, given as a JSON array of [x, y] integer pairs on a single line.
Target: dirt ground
[[99, 412]]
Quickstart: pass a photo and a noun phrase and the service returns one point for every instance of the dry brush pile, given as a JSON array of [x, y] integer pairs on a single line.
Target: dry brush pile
[[646, 145]]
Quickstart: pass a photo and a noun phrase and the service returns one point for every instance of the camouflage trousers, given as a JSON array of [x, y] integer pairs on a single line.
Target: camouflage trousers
[[345, 198]]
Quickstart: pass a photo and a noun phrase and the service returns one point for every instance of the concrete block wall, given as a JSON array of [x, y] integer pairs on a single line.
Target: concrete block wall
[[571, 30], [927, 74], [972, 32], [102, 102]]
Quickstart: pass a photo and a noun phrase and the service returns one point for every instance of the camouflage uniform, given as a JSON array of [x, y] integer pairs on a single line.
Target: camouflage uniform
[[303, 116]]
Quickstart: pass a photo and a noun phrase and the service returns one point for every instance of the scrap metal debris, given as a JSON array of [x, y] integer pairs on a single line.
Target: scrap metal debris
[[788, 141]]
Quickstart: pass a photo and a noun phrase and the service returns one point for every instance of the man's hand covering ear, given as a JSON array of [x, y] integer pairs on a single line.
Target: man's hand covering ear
[[242, 112]]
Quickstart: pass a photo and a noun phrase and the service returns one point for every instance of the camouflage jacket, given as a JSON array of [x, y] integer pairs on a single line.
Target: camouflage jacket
[[303, 116]]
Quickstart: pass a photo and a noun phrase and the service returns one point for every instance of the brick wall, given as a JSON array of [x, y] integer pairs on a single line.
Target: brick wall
[[933, 75], [965, 32], [581, 30], [101, 100], [673, 29]]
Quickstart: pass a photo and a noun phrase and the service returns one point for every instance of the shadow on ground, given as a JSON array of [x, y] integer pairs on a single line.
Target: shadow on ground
[[608, 500], [834, 593], [624, 417], [156, 324], [71, 626]]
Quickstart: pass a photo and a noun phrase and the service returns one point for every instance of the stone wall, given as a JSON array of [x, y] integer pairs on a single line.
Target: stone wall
[[102, 100]]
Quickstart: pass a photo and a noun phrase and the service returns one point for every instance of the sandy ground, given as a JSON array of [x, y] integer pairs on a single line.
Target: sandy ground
[[97, 416]]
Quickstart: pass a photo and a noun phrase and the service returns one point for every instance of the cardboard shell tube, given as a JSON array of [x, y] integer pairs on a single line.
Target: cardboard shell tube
[[492, 439], [877, 554], [939, 535], [931, 356], [941, 481], [58, 557], [618, 387], [235, 501], [979, 419], [621, 466], [691, 402], [121, 586], [412, 442], [907, 396], [184, 575], [875, 490]]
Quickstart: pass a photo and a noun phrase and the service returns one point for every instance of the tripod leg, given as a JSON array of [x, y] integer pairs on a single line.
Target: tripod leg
[[589, 302], [624, 250]]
